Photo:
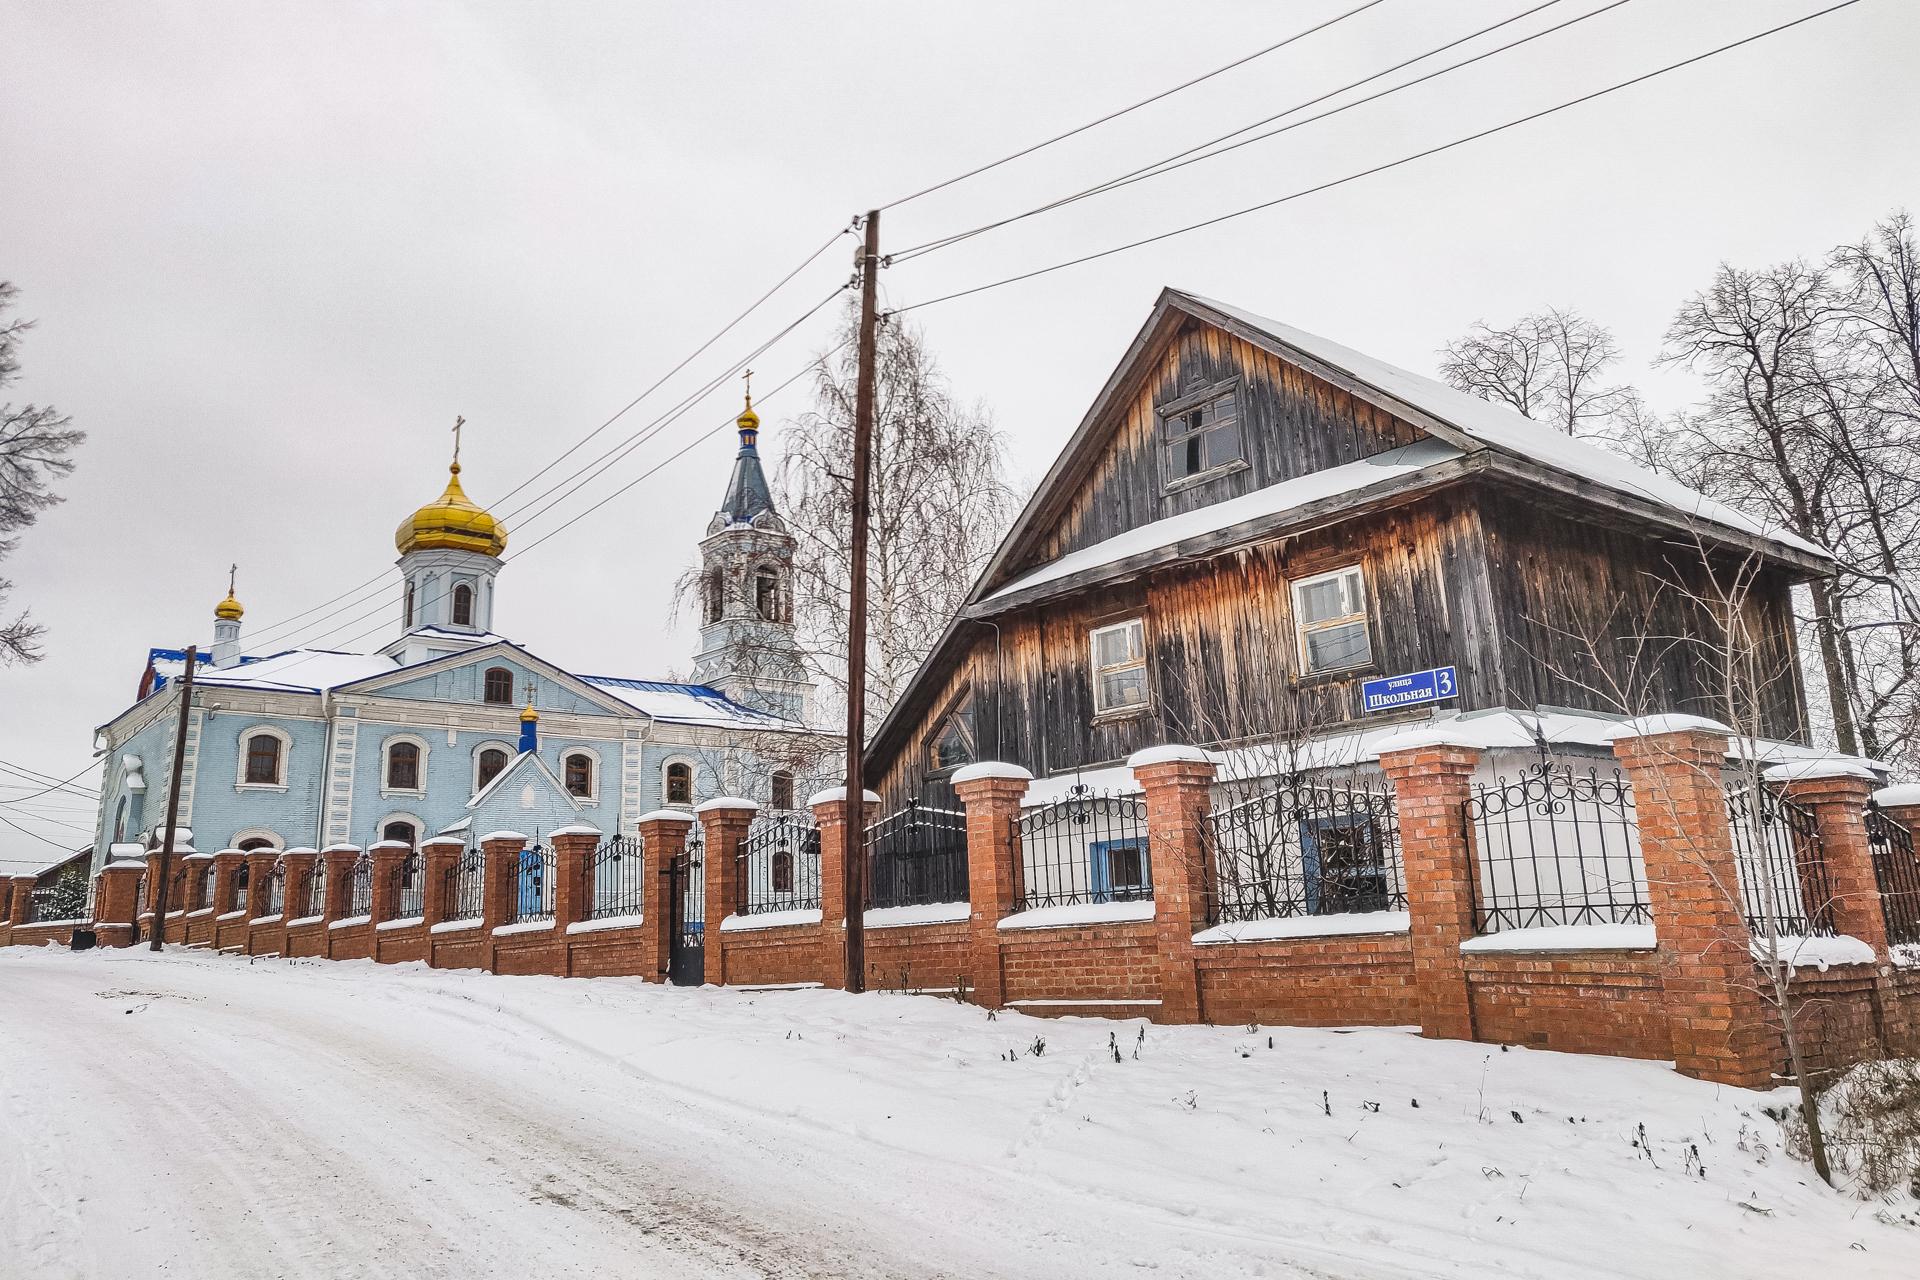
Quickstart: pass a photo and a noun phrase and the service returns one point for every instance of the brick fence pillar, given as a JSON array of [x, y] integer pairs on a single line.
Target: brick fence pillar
[[1178, 783], [725, 820], [114, 904], [991, 792], [20, 907], [437, 857], [1722, 1030], [1837, 791], [296, 901], [501, 878], [573, 850], [340, 859], [6, 899], [383, 898], [663, 842], [836, 861], [152, 897], [226, 873], [1431, 779], [1901, 802]]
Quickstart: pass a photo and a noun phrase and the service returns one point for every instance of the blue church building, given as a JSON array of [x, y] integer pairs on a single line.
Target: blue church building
[[450, 728]]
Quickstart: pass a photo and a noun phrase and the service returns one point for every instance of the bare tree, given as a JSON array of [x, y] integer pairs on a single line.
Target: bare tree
[[1549, 365], [36, 448], [940, 503]]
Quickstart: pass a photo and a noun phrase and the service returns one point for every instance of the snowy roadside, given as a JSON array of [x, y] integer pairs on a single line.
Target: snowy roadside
[[349, 1119]]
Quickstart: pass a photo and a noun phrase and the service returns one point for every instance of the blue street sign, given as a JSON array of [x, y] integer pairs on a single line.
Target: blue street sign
[[1389, 693]]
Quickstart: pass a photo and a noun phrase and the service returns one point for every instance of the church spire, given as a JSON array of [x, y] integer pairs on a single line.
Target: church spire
[[747, 491], [226, 624]]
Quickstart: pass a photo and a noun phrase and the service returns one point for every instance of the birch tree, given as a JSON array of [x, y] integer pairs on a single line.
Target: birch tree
[[940, 502], [37, 442], [1549, 365]]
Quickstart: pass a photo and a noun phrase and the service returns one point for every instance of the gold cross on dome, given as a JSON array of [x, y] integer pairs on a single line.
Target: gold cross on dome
[[748, 377], [458, 422], [233, 574]]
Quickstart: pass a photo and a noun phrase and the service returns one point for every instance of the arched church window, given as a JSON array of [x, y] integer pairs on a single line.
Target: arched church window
[[409, 611], [499, 687], [766, 594], [679, 784], [716, 593], [782, 789], [492, 761], [403, 766], [579, 766], [783, 871], [120, 821], [402, 831], [463, 605], [263, 759]]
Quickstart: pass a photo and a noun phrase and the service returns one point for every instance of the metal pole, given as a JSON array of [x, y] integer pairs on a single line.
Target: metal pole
[[173, 802], [853, 823]]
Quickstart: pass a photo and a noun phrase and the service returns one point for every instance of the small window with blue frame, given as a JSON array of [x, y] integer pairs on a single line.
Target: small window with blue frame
[[1119, 870], [1343, 861]]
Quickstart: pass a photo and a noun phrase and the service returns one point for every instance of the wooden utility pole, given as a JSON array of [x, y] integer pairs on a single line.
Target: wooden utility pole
[[854, 821], [173, 802]]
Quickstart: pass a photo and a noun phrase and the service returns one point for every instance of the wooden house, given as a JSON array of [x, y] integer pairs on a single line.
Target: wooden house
[[1251, 523]]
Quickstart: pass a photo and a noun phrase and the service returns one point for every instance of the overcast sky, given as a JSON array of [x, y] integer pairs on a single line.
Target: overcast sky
[[274, 249]]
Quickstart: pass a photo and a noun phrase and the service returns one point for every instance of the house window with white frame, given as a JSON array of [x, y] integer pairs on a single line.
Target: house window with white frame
[[1119, 667], [1330, 620]]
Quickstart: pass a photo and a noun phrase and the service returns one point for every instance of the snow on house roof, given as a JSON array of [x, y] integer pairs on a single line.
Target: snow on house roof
[[1504, 429], [1354, 479]]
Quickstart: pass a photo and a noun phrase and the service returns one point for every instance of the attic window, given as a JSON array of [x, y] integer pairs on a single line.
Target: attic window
[[1200, 436], [499, 687]]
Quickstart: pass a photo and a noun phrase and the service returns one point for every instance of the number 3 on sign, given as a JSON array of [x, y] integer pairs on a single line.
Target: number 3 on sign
[[1444, 678]]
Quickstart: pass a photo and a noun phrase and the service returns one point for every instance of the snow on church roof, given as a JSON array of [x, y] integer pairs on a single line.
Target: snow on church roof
[[1503, 428], [694, 704]]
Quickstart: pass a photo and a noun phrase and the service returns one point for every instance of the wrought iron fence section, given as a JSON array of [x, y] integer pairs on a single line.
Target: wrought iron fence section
[[407, 887], [616, 879], [917, 855], [242, 886], [780, 863], [1782, 865], [360, 887], [1897, 872], [1305, 849], [276, 896], [1089, 847], [465, 884], [1557, 846], [310, 889], [533, 886]]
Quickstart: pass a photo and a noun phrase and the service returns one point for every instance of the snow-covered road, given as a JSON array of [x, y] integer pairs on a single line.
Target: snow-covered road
[[204, 1116]]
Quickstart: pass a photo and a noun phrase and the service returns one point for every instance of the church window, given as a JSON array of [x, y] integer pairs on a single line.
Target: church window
[[463, 605], [783, 871], [952, 742], [401, 831], [782, 789], [403, 767], [766, 594], [263, 759], [716, 593], [679, 784], [499, 687], [120, 821], [1200, 436], [579, 770], [409, 619], [492, 761]]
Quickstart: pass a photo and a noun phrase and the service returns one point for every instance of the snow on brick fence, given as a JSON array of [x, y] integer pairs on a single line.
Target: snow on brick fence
[[1569, 905]]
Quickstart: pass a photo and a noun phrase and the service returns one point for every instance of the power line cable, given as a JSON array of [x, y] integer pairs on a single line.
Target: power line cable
[[284, 625], [36, 835], [34, 777], [1379, 168], [1181, 159], [97, 762], [1115, 115]]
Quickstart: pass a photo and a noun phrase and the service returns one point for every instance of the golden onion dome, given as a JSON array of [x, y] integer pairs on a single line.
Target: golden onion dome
[[529, 714], [748, 419], [229, 610], [453, 522]]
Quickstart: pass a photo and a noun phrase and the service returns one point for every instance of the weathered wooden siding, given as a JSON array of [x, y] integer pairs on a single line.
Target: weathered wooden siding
[[1601, 618], [1291, 424], [1221, 647]]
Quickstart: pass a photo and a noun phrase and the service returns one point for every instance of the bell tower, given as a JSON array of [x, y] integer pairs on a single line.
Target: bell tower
[[747, 645], [449, 558]]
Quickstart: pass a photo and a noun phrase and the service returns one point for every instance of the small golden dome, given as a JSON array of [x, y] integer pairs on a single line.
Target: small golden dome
[[748, 419], [229, 610], [452, 523], [529, 714]]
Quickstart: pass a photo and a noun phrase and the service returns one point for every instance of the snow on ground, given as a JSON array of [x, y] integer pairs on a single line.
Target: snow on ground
[[207, 1116]]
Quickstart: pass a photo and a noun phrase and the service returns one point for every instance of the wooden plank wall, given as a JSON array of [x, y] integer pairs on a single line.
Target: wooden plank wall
[[1292, 424]]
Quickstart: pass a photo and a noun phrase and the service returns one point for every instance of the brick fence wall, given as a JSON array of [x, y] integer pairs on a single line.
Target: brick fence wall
[[1685, 990]]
